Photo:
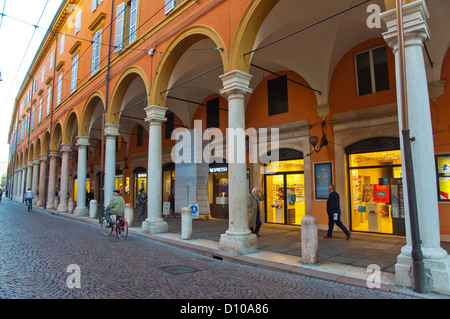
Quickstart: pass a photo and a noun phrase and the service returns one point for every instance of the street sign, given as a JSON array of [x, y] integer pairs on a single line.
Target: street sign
[[195, 212]]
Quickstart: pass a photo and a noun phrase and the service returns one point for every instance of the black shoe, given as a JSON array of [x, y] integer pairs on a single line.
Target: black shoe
[[349, 235], [326, 237]]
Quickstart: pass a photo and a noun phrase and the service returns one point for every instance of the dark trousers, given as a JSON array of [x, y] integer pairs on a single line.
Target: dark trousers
[[258, 224], [332, 221]]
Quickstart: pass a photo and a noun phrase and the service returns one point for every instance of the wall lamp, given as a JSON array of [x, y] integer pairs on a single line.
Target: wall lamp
[[323, 141]]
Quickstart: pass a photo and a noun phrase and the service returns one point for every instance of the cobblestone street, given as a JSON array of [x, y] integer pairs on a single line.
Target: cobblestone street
[[38, 247]]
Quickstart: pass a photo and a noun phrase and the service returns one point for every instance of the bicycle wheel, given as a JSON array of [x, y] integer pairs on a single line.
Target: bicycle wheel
[[123, 231], [104, 226]]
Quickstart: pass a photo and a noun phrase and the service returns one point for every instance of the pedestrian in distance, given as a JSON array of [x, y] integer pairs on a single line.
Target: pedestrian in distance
[[1, 194], [116, 207], [29, 198], [90, 196], [334, 213], [254, 210], [141, 201]]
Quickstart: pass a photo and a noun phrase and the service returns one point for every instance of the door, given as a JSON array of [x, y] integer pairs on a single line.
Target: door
[[275, 199]]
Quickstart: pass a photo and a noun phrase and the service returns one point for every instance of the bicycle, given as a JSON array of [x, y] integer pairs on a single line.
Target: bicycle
[[120, 227], [28, 205]]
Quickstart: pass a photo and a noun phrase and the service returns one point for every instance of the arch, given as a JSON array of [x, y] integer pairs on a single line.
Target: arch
[[31, 152], [246, 32], [37, 149], [46, 143], [176, 49], [56, 136], [88, 111], [112, 115], [71, 120]]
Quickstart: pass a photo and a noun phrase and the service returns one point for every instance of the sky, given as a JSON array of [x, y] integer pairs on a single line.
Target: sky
[[19, 42]]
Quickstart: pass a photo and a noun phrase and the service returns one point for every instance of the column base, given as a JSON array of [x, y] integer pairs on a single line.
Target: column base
[[81, 212], [155, 227], [62, 208], [437, 270], [49, 205], [240, 244]]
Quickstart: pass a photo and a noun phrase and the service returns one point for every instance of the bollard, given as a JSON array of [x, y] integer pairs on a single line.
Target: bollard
[[186, 223], [310, 240], [92, 208], [70, 206], [129, 214]]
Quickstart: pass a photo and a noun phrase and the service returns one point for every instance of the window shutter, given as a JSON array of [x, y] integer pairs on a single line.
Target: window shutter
[[49, 97], [170, 4], [78, 22], [73, 81], [96, 52], [93, 5], [59, 93], [61, 45], [118, 37], [133, 21]]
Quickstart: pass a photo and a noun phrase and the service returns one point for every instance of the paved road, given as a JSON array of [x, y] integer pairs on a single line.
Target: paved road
[[37, 248]]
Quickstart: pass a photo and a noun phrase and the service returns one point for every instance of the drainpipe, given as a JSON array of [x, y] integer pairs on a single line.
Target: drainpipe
[[416, 253], [102, 165]]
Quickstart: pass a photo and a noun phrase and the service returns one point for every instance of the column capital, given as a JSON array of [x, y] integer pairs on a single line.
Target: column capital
[[66, 148], [42, 158], [54, 153], [29, 163], [156, 114], [236, 82], [82, 141], [415, 27], [112, 130], [35, 161]]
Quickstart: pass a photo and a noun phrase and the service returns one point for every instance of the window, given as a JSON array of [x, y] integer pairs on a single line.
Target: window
[[33, 114], [73, 80], [59, 93], [78, 22], [61, 44], [49, 98], [140, 136], [169, 6], [443, 177], [278, 95], [212, 113], [126, 23], [96, 52], [51, 61], [94, 4], [372, 71], [40, 110], [169, 125], [43, 74]]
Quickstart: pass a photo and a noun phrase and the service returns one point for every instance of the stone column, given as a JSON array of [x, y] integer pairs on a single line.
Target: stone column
[[16, 185], [29, 175], [42, 175], [52, 180], [238, 237], [64, 191], [34, 182], [111, 133], [81, 209], [436, 259], [155, 224], [21, 184]]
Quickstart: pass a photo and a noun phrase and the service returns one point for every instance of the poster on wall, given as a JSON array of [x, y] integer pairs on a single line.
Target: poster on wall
[[381, 193], [443, 168], [323, 176]]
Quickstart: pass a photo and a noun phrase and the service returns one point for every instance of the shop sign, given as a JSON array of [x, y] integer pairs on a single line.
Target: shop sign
[[381, 193], [213, 170]]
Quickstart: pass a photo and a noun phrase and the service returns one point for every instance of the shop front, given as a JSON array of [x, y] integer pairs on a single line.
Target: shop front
[[140, 180], [284, 190], [218, 190], [376, 191]]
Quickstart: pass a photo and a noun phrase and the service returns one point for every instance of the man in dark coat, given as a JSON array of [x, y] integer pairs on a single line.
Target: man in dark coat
[[334, 213]]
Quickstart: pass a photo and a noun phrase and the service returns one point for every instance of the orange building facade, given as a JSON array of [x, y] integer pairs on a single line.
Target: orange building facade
[[114, 79]]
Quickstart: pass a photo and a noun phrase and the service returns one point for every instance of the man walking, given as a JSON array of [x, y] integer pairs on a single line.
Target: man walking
[[334, 213], [254, 218]]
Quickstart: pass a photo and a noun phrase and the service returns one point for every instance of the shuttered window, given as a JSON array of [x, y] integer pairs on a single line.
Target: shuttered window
[[96, 52], [133, 21], [59, 93], [169, 5], [120, 21], [73, 79]]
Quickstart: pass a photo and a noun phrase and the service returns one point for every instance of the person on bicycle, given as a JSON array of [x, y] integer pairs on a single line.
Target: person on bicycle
[[29, 198], [116, 207]]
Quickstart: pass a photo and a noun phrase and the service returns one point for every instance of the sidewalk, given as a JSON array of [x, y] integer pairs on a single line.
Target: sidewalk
[[279, 249]]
